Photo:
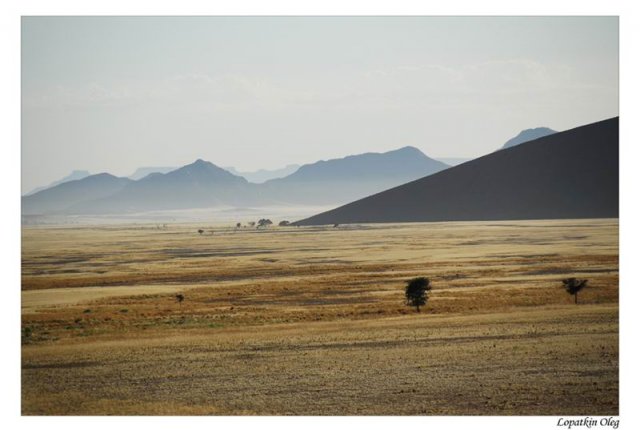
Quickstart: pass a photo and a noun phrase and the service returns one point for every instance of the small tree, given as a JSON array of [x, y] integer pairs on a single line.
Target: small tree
[[264, 222], [284, 223], [573, 286], [238, 225], [180, 298], [416, 292], [251, 223], [200, 231]]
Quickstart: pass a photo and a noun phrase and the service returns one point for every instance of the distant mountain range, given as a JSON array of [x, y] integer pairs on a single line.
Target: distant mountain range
[[75, 175], [334, 182], [262, 175], [65, 197], [197, 185], [528, 135], [343, 179], [141, 172], [258, 176], [203, 184], [572, 174]]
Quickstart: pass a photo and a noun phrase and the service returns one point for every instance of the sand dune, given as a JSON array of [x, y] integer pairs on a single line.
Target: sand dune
[[573, 174]]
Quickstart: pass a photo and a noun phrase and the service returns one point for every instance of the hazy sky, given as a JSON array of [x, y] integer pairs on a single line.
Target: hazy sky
[[113, 94]]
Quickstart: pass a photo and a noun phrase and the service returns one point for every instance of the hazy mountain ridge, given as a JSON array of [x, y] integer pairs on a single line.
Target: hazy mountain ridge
[[404, 162], [262, 175], [74, 175], [141, 172], [572, 174], [355, 176], [528, 135], [196, 185], [203, 184], [61, 197]]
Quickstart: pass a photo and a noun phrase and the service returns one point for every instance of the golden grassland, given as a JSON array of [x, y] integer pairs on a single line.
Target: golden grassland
[[312, 321]]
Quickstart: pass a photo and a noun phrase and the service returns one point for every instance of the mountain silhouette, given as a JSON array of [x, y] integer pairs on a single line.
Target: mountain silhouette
[[198, 185], [141, 172], [61, 197], [262, 175], [572, 174], [343, 179], [203, 184], [74, 175], [528, 135]]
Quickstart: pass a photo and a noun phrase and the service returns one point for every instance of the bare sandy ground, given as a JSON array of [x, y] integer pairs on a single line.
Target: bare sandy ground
[[529, 362], [312, 320], [36, 299]]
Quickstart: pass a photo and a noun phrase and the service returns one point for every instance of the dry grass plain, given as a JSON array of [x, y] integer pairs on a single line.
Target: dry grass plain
[[311, 321]]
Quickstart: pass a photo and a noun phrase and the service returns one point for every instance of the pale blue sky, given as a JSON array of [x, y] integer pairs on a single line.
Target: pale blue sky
[[112, 94]]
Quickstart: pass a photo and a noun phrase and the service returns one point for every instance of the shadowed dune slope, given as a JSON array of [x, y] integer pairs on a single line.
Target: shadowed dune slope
[[572, 174]]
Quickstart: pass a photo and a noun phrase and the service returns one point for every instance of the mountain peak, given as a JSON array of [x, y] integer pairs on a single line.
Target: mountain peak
[[201, 162], [378, 170], [201, 170], [408, 148], [528, 135], [101, 176], [200, 165], [408, 151]]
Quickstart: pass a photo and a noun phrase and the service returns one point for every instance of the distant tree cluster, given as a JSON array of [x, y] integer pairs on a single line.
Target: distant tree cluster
[[264, 222]]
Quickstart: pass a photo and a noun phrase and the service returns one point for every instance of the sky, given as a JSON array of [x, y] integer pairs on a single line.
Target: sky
[[111, 94]]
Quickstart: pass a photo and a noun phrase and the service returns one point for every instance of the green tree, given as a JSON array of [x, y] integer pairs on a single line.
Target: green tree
[[180, 298], [573, 286], [264, 222], [416, 292]]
